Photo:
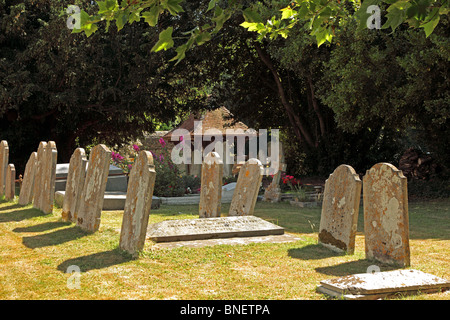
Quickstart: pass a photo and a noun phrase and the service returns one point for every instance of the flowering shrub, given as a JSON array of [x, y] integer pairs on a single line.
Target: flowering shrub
[[169, 180]]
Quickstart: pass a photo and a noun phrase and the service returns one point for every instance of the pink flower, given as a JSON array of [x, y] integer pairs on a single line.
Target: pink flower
[[129, 167], [161, 158], [136, 147], [162, 142]]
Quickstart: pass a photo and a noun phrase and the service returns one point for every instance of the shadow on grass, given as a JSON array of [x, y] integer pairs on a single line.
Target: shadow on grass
[[353, 267], [313, 252], [43, 226], [97, 260], [19, 215], [53, 238]]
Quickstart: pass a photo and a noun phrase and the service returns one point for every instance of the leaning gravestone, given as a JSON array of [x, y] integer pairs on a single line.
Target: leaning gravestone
[[340, 208], [386, 222], [10, 183], [211, 186], [74, 185], [247, 188], [89, 213], [44, 184], [4, 159], [138, 204], [26, 190]]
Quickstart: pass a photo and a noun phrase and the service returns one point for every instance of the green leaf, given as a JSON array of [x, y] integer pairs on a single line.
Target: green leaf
[[203, 37], [165, 40], [174, 7], [395, 18], [430, 25], [251, 16], [211, 5], [151, 16], [287, 13], [252, 26], [121, 20], [181, 53], [90, 29]]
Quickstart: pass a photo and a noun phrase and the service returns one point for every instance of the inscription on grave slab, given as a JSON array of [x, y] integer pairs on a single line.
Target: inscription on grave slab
[[223, 227]]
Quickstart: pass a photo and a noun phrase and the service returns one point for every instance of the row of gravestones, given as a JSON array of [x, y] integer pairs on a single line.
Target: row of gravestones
[[85, 188], [385, 202]]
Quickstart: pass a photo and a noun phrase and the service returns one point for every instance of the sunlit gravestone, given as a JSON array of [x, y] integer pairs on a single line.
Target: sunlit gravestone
[[211, 186]]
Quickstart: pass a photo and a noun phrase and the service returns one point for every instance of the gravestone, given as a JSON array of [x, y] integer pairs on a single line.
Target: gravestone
[[247, 188], [378, 285], [386, 222], [4, 159], [37, 189], [211, 186], [138, 203], [74, 186], [273, 190], [211, 228], [340, 208], [44, 184], [117, 179], [26, 190], [89, 213], [10, 183]]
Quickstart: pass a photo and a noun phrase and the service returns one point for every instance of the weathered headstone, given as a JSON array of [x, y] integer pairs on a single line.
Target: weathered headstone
[[247, 188], [386, 222], [273, 190], [340, 208], [138, 203], [4, 159], [89, 213], [74, 185], [44, 184], [27, 188], [211, 186], [37, 189], [10, 183]]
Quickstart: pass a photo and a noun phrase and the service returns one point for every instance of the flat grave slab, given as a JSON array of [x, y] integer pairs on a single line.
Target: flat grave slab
[[378, 285], [211, 228], [282, 238]]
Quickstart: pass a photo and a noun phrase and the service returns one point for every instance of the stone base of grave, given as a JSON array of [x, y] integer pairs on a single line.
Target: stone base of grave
[[379, 285], [211, 228], [113, 200], [283, 238]]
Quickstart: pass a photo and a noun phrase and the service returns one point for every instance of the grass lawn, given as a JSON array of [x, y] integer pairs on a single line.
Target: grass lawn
[[37, 249]]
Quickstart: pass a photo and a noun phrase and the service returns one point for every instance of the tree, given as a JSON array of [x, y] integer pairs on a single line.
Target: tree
[[321, 16], [55, 85]]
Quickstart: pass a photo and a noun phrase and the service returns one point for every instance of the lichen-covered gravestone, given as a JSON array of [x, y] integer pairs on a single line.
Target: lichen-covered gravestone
[[89, 213], [138, 203], [386, 222], [37, 189], [211, 186], [4, 158], [247, 188], [44, 184], [10, 183], [340, 209], [74, 185], [26, 190]]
